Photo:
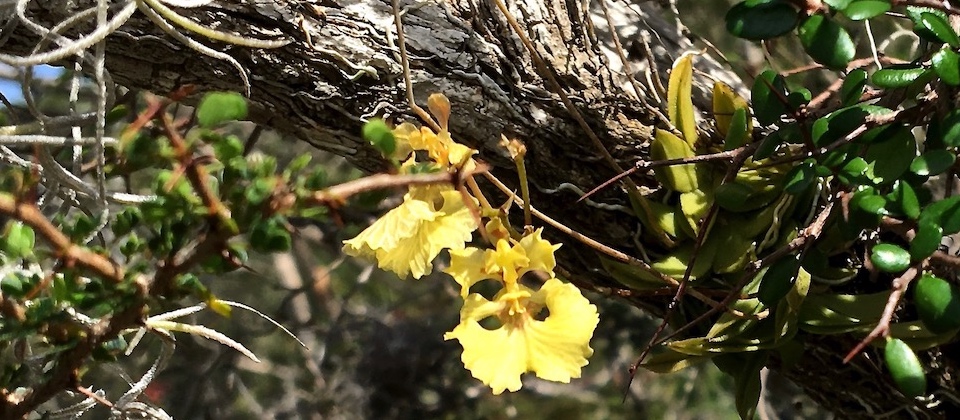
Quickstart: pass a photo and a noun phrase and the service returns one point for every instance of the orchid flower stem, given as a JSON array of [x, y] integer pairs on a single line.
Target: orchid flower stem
[[524, 193]]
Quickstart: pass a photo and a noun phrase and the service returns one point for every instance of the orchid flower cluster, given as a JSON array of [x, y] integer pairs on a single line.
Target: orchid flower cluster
[[545, 331]]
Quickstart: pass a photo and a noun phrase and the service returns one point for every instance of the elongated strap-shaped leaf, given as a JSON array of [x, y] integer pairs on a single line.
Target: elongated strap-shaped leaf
[[680, 101], [725, 103], [681, 178]]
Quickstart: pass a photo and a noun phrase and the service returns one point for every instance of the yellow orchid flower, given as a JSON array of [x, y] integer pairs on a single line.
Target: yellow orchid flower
[[440, 147], [506, 263], [554, 348], [409, 237]]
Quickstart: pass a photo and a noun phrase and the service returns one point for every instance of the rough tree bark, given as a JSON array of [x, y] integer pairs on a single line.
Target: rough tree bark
[[343, 67]]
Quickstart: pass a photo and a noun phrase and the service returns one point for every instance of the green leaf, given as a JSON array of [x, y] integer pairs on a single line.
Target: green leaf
[[897, 76], [852, 172], [838, 4], [681, 178], [270, 235], [933, 162], [18, 240], [827, 42], [852, 88], [779, 280], [227, 147], [890, 258], [380, 136], [218, 107], [866, 9], [905, 199], [889, 158], [670, 361], [680, 99], [762, 20], [873, 204], [926, 241], [949, 129], [916, 15], [938, 303], [945, 213], [905, 368], [800, 178], [737, 132], [748, 384], [768, 95], [939, 27], [947, 65]]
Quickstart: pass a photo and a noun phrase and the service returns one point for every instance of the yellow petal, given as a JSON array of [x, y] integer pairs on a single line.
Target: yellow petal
[[554, 349], [540, 252], [409, 237], [451, 227], [393, 227], [439, 106], [467, 268], [507, 261]]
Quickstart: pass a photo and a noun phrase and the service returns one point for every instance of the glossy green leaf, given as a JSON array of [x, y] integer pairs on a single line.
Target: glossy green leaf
[[772, 142], [866, 9], [800, 178], [737, 132], [827, 42], [926, 241], [852, 172], [761, 20], [897, 76], [852, 88], [947, 65], [933, 162], [916, 14], [890, 258], [945, 213], [905, 368], [938, 303], [905, 200], [768, 95], [873, 204], [380, 136], [949, 129], [940, 28], [218, 107], [890, 157], [838, 124], [778, 280], [838, 4]]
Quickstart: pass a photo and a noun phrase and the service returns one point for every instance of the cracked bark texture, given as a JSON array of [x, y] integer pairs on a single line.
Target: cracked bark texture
[[343, 67]]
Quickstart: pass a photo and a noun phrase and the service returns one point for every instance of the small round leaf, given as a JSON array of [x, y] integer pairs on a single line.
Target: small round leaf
[[761, 21], [778, 280], [947, 65], [927, 240], [218, 107], [827, 42], [938, 304], [905, 368], [890, 258], [933, 162], [866, 9]]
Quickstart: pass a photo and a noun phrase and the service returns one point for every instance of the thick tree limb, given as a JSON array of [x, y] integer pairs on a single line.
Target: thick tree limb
[[342, 67]]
